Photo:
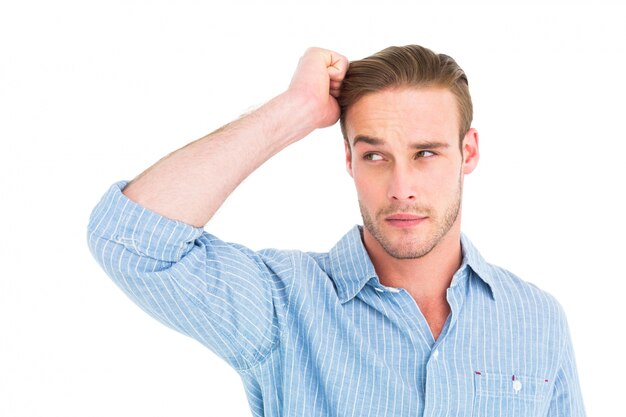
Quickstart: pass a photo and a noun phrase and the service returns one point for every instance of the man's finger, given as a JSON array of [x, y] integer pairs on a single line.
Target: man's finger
[[337, 67]]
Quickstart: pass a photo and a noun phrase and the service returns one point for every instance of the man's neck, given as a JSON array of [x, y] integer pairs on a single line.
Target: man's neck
[[426, 278]]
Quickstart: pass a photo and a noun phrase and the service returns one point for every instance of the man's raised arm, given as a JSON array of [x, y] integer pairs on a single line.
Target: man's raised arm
[[192, 183]]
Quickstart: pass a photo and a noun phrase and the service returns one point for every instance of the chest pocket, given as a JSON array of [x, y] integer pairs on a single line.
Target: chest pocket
[[510, 396]]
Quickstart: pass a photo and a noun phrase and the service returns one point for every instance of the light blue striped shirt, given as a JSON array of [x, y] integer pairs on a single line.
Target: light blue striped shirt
[[317, 334]]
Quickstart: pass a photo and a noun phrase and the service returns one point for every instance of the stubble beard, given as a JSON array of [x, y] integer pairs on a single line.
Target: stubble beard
[[416, 246]]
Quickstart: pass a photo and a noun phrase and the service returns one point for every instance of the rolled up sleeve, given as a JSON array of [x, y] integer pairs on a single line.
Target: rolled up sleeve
[[218, 293]]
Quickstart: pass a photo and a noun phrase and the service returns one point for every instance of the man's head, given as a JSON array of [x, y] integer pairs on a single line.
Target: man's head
[[402, 112], [406, 66]]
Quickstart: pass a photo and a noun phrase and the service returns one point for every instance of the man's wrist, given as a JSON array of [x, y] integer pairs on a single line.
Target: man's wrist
[[289, 118]]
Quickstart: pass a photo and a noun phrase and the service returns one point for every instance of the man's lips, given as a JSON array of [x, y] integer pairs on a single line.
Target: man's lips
[[404, 216], [404, 219]]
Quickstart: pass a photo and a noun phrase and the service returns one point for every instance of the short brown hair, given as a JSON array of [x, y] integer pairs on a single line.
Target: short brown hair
[[406, 66]]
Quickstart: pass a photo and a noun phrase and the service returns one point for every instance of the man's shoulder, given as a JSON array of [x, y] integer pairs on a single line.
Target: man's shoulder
[[512, 289], [348, 259], [296, 258], [505, 284]]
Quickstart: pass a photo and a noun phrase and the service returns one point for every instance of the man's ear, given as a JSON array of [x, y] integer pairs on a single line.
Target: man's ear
[[348, 156], [470, 151]]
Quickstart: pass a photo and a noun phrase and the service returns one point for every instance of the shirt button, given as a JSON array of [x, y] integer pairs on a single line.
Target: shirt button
[[517, 385], [435, 354]]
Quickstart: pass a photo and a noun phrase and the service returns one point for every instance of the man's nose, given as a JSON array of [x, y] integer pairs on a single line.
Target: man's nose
[[402, 184]]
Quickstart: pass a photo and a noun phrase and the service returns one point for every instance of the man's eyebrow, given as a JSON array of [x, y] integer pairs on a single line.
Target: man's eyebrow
[[428, 144], [368, 140]]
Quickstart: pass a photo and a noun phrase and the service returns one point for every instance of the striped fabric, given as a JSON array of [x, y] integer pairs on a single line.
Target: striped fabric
[[317, 334]]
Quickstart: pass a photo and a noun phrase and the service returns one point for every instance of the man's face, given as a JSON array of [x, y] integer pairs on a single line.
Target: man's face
[[408, 169]]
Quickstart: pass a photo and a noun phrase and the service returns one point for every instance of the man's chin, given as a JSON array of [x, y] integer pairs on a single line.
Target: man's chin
[[401, 243], [415, 250], [404, 244]]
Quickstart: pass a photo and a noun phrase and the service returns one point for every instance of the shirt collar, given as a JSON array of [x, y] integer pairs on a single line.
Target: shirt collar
[[473, 259], [351, 267]]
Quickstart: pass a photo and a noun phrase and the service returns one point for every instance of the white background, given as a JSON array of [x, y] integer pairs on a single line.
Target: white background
[[94, 92]]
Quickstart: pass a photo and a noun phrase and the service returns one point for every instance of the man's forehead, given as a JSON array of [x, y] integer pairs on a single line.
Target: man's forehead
[[425, 113]]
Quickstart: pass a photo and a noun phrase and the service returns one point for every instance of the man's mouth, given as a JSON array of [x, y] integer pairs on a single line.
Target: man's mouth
[[404, 219]]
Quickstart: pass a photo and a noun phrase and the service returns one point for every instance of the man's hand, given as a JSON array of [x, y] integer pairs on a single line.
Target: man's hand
[[316, 83]]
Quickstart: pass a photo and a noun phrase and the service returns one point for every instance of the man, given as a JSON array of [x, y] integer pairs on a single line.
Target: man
[[403, 317]]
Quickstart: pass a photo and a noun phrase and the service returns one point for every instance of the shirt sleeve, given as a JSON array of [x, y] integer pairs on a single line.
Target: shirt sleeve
[[567, 398], [218, 293]]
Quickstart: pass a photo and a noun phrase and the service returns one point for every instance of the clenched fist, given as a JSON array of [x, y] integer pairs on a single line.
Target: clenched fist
[[316, 83]]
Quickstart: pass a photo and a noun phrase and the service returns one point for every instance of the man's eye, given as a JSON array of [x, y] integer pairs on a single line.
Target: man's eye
[[424, 154], [372, 157]]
